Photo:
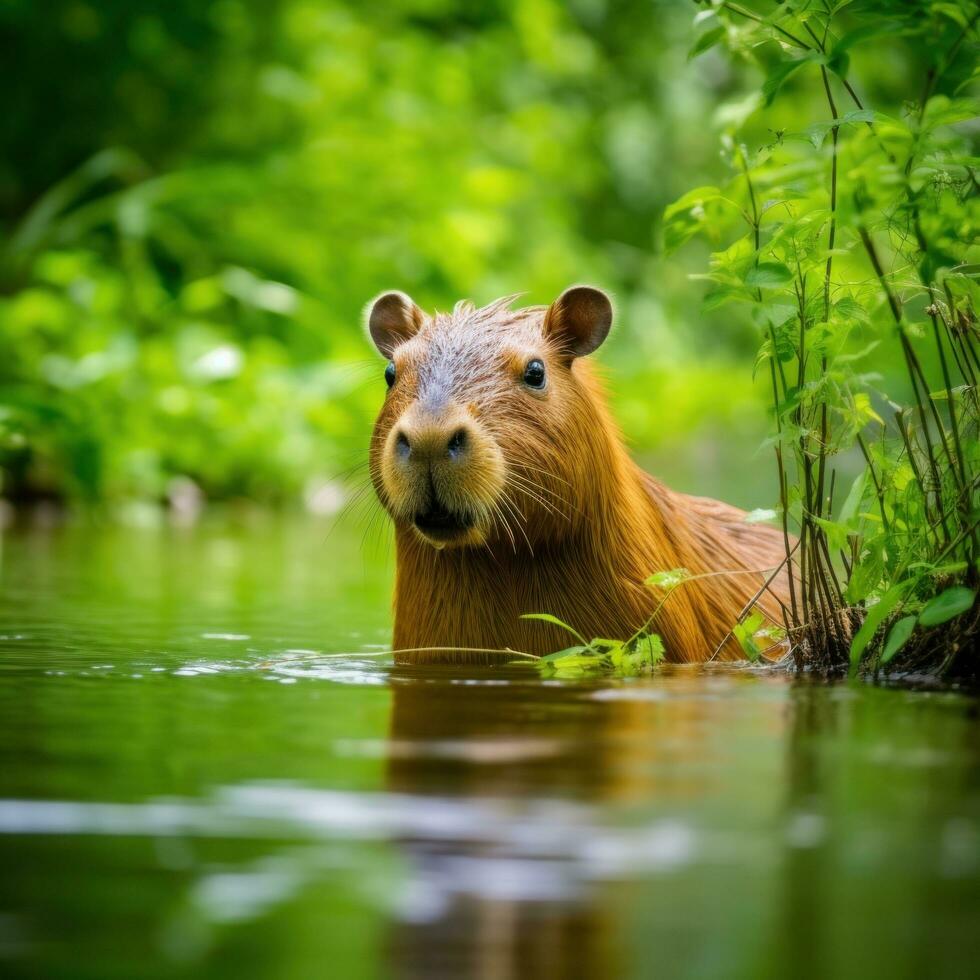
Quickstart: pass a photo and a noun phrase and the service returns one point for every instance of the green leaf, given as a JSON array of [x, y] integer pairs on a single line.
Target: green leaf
[[559, 654], [779, 74], [839, 62], [759, 515], [719, 297], [877, 614], [866, 574], [949, 604], [953, 12], [603, 646], [575, 660], [745, 633], [605, 656], [670, 579], [817, 132], [851, 309], [854, 497], [768, 275], [707, 40], [555, 621], [881, 26], [685, 217], [898, 636], [836, 532], [651, 647]]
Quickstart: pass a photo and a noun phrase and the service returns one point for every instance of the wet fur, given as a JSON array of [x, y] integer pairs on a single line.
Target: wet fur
[[581, 527]]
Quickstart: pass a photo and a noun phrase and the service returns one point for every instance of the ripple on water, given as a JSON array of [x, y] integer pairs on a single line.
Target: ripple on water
[[586, 840], [296, 664], [287, 667]]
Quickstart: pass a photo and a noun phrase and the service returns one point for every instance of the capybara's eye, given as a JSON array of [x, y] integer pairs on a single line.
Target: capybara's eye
[[534, 374], [390, 373]]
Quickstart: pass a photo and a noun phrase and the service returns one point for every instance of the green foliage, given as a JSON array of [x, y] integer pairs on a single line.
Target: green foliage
[[949, 604], [850, 238], [645, 649], [898, 636], [751, 630], [640, 654], [197, 200]]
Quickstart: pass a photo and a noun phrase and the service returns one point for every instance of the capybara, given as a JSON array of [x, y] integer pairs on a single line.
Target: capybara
[[512, 492]]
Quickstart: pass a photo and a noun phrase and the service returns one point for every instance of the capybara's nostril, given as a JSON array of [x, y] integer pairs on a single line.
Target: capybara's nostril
[[403, 448], [457, 443]]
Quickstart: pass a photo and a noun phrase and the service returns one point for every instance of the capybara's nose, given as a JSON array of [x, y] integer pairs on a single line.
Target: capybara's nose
[[427, 443]]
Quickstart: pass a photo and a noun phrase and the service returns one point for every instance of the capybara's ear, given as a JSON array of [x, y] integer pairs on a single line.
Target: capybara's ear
[[393, 318], [579, 320]]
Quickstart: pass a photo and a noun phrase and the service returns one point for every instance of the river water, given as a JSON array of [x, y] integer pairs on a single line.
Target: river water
[[209, 767]]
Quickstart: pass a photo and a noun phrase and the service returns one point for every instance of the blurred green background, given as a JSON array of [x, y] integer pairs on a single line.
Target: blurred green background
[[197, 200]]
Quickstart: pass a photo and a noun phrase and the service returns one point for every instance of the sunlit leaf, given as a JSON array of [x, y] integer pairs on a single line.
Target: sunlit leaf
[[745, 633], [650, 648], [669, 579]]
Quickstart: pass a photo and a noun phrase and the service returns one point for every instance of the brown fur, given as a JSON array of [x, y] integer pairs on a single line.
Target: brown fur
[[566, 523]]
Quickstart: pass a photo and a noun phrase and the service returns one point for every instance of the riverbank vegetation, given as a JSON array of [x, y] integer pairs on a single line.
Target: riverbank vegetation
[[846, 236]]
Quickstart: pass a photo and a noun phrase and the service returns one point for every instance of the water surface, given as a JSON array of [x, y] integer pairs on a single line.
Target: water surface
[[210, 767]]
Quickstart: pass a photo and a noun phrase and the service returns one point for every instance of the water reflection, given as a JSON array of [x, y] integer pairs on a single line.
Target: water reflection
[[877, 820], [489, 907]]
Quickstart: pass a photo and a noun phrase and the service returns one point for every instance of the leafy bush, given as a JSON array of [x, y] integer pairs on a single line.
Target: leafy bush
[[845, 237]]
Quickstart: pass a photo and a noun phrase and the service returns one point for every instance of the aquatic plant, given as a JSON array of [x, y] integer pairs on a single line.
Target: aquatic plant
[[640, 654], [644, 649], [850, 241]]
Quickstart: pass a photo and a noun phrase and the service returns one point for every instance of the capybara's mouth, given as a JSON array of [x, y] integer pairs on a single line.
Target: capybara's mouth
[[443, 525]]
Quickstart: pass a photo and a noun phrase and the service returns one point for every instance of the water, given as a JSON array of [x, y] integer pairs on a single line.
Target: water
[[207, 769]]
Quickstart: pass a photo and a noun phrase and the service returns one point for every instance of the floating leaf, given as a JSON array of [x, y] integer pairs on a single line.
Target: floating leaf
[[949, 604]]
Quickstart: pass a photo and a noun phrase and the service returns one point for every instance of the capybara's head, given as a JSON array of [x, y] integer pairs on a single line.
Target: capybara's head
[[482, 434]]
